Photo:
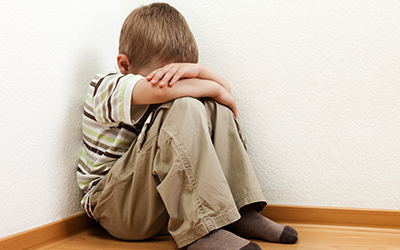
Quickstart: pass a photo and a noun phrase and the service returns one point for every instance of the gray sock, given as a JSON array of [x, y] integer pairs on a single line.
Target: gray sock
[[222, 240], [254, 225]]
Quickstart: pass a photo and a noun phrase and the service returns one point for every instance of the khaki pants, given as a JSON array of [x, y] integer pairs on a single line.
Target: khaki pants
[[189, 170]]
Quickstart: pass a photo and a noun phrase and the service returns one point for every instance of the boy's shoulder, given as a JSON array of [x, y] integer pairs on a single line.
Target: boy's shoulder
[[114, 75], [113, 83], [105, 78], [110, 74]]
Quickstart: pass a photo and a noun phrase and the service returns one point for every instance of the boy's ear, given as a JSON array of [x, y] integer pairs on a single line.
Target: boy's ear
[[123, 64]]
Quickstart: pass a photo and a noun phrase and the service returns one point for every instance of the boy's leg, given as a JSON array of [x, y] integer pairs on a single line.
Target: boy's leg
[[229, 146], [193, 185], [209, 144], [226, 136], [125, 202]]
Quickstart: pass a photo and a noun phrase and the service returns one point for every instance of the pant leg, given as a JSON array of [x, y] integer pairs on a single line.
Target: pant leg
[[193, 186], [230, 148], [125, 202], [201, 149]]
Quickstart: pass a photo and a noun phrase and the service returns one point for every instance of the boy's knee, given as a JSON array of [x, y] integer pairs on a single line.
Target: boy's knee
[[187, 101], [206, 107], [189, 104], [213, 108]]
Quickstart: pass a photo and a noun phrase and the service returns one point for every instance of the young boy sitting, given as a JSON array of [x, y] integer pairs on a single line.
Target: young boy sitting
[[164, 152]]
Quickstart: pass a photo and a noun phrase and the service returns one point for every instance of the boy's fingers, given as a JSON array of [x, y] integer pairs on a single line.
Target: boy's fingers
[[172, 82], [154, 81], [178, 75], [150, 75], [171, 75], [174, 79], [235, 112], [157, 76], [154, 72]]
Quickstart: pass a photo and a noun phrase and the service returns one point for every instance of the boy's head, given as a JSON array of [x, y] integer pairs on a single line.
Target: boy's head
[[156, 34]]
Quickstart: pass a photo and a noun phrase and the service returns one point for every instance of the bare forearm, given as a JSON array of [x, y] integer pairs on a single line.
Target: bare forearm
[[146, 93], [171, 73], [207, 73]]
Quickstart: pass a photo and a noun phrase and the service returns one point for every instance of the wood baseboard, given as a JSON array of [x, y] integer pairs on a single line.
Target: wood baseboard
[[281, 213], [51, 231], [353, 217]]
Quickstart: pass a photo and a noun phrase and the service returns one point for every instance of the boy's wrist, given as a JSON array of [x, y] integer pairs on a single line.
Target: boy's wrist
[[201, 69]]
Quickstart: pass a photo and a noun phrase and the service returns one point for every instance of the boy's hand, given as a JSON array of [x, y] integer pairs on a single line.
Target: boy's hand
[[171, 73], [227, 99]]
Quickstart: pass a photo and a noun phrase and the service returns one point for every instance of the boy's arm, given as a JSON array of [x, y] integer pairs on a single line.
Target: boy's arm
[[146, 93], [171, 73]]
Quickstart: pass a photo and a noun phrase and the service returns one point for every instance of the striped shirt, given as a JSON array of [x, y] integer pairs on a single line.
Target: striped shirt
[[110, 124]]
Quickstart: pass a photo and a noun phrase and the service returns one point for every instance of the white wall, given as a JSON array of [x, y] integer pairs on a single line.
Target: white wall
[[318, 89], [49, 51], [317, 84]]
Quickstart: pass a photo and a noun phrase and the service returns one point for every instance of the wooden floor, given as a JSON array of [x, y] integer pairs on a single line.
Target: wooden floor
[[311, 237]]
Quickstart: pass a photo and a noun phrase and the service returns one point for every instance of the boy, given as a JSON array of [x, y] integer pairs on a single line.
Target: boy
[[154, 156]]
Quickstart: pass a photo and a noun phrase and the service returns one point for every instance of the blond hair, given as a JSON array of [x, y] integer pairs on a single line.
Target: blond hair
[[157, 32]]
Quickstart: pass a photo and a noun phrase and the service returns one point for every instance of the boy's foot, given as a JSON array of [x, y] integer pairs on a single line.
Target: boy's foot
[[222, 240], [254, 225]]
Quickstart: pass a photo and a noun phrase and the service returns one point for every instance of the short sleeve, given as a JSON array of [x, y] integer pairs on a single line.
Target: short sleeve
[[112, 100]]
